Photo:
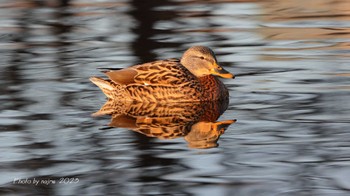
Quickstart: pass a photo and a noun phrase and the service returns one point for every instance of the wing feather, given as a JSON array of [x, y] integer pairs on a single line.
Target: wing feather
[[123, 76], [162, 72]]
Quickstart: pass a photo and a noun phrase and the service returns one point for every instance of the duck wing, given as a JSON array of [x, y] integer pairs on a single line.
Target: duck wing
[[162, 72]]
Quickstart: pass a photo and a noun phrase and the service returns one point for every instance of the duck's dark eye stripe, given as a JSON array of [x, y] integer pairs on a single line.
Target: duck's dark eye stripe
[[200, 57]]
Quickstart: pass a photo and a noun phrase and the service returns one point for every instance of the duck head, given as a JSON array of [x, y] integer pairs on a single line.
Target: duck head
[[201, 61]]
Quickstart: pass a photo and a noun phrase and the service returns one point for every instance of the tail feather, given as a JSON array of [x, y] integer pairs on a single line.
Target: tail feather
[[106, 86], [111, 107]]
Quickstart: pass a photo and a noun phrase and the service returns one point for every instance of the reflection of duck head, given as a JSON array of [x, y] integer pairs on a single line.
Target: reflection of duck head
[[206, 134], [194, 121]]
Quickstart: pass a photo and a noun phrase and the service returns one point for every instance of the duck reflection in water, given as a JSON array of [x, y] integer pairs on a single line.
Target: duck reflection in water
[[170, 98], [196, 122]]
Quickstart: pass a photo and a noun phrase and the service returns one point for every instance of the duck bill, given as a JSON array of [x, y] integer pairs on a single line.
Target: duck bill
[[222, 73]]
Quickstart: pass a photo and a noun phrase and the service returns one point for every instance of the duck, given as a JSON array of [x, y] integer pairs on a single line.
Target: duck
[[193, 78]]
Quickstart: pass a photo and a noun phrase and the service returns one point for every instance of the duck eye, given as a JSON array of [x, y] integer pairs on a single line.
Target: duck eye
[[201, 57]]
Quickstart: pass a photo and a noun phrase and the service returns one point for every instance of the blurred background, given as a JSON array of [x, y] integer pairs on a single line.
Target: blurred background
[[290, 97]]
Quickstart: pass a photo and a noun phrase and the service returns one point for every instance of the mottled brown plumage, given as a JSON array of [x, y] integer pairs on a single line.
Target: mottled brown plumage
[[193, 78]]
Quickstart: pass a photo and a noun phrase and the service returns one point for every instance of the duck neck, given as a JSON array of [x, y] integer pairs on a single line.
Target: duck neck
[[214, 89]]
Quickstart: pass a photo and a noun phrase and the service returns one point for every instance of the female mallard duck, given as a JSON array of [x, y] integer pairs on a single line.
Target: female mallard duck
[[193, 78]]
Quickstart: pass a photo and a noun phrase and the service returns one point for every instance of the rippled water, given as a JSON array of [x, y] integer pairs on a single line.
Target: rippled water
[[290, 97]]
